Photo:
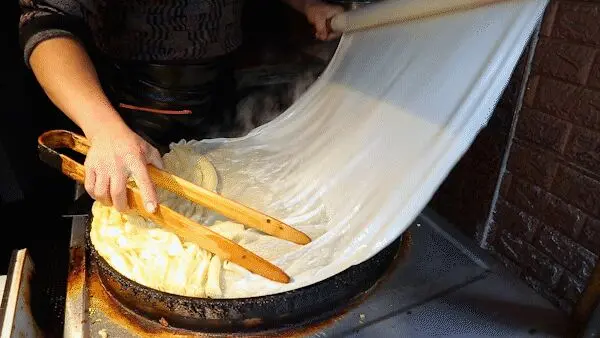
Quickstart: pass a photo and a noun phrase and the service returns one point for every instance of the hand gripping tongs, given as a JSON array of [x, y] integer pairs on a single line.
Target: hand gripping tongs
[[172, 221]]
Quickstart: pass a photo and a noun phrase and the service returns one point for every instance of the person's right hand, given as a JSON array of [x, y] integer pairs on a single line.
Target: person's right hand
[[116, 153]]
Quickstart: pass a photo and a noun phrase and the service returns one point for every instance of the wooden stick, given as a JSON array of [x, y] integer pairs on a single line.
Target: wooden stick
[[393, 12], [207, 239], [164, 216], [226, 207]]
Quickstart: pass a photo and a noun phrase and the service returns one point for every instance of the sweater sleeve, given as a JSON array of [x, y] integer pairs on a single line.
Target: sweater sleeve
[[41, 20]]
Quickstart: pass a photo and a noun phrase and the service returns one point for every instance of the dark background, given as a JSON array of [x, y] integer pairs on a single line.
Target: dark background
[[30, 211]]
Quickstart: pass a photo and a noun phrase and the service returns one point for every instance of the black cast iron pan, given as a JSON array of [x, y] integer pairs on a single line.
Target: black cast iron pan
[[285, 310], [311, 303]]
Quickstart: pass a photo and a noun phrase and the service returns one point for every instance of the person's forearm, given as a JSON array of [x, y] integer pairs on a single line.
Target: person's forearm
[[67, 75]]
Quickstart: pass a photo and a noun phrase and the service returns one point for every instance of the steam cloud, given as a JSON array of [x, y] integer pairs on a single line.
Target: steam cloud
[[264, 105]]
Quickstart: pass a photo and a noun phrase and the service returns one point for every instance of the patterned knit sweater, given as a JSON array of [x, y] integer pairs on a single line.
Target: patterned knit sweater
[[145, 30]]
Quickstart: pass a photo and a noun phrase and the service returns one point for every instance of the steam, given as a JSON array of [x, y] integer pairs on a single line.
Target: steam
[[262, 106]]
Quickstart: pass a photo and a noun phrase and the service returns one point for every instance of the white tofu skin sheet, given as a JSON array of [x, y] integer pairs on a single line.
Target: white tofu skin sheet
[[358, 156]]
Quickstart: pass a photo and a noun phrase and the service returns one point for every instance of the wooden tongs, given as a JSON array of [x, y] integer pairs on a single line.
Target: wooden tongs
[[182, 226]]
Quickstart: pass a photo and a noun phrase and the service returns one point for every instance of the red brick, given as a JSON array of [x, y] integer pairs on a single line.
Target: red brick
[[543, 267], [590, 235], [583, 148], [548, 293], [578, 22], [580, 190], [535, 262], [518, 222], [566, 252], [509, 265], [526, 196], [542, 129], [570, 287], [569, 102], [548, 20], [535, 166], [564, 60], [561, 215], [546, 207], [594, 78], [531, 90], [510, 246]]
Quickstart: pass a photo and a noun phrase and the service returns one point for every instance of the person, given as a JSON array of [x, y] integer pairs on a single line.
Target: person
[[137, 75]]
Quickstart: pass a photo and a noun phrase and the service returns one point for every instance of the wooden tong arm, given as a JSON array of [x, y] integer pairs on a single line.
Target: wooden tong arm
[[164, 216], [226, 207], [392, 12]]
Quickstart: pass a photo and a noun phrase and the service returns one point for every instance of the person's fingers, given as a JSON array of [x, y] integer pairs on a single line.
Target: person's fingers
[[90, 181], [118, 190], [153, 157], [102, 187], [142, 180], [328, 13], [321, 28]]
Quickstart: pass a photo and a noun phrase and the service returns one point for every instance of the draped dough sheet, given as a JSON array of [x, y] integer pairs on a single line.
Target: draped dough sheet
[[356, 158]]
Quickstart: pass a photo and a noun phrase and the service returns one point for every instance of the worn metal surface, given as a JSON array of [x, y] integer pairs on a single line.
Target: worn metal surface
[[488, 306], [451, 288], [76, 305], [443, 286], [17, 318]]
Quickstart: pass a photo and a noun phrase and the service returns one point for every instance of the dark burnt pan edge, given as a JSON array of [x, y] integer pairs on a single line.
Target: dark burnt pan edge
[[293, 308]]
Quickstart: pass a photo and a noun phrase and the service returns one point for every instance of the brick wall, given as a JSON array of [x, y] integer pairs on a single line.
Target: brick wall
[[546, 225]]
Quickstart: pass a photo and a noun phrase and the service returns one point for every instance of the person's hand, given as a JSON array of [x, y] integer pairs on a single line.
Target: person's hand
[[115, 153], [317, 13]]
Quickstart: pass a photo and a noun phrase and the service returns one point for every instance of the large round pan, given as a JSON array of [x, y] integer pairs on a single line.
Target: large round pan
[[293, 308]]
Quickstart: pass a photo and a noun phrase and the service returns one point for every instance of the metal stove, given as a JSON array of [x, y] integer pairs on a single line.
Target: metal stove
[[441, 284]]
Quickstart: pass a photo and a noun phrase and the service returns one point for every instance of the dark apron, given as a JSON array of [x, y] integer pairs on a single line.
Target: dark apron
[[165, 103]]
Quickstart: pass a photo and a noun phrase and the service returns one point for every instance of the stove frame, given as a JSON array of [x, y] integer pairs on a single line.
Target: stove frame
[[444, 284]]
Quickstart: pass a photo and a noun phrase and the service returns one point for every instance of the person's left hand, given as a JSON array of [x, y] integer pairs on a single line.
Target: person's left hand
[[317, 13]]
